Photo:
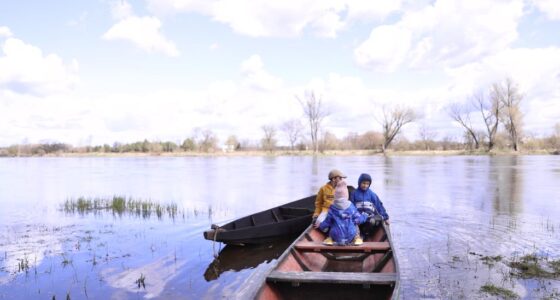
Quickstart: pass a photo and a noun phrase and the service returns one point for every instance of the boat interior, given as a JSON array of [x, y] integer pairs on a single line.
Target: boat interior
[[346, 272]]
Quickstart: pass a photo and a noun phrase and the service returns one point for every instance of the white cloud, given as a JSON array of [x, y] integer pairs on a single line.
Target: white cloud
[[328, 25], [367, 10], [551, 8], [5, 31], [164, 7], [25, 69], [385, 49], [447, 33], [287, 18], [121, 9], [144, 32], [256, 77]]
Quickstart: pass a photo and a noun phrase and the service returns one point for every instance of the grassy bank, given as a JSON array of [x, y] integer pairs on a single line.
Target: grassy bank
[[302, 153]]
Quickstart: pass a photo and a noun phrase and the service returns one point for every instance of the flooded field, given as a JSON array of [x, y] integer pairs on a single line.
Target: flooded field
[[131, 228]]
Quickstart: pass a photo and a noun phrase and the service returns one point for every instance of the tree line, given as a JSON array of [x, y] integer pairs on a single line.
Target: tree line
[[491, 118]]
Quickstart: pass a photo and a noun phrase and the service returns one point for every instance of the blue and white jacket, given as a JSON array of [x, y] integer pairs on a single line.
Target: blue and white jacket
[[342, 219], [367, 201]]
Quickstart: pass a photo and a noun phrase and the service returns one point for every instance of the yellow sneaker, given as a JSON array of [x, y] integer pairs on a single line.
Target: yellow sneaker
[[358, 241], [328, 241]]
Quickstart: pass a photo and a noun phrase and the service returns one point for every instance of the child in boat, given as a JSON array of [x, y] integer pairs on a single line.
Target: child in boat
[[342, 219], [325, 197], [368, 203]]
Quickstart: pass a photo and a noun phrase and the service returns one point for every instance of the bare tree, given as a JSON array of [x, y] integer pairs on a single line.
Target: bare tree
[[371, 140], [393, 121], [330, 142], [293, 129], [490, 108], [268, 142], [315, 113], [208, 141], [427, 135], [461, 115], [510, 97]]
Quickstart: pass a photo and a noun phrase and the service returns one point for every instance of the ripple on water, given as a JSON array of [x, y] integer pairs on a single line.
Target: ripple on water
[[442, 255]]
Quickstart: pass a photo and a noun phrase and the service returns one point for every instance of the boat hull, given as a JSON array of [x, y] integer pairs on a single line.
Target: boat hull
[[283, 221]]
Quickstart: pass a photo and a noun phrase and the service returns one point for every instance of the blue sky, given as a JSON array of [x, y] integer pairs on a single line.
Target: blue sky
[[92, 72]]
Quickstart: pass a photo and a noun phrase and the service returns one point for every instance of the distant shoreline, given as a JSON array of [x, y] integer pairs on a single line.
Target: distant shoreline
[[298, 153]]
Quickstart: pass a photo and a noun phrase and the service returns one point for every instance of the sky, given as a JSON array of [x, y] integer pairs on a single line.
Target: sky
[[100, 71]]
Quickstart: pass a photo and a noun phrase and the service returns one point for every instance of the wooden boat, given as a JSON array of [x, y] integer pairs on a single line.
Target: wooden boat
[[283, 221], [310, 270]]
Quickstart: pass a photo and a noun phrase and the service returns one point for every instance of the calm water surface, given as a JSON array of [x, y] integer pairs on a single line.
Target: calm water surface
[[446, 214]]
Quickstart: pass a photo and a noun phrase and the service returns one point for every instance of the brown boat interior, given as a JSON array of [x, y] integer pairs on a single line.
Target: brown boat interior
[[334, 272]]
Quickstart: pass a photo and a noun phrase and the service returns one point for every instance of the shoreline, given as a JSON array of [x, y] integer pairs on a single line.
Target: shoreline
[[300, 153]]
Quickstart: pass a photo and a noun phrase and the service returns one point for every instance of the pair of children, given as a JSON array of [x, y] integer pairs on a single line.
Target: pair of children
[[343, 216]]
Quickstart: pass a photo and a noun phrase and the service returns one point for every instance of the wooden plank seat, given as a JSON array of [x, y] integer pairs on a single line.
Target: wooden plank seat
[[333, 277], [365, 247]]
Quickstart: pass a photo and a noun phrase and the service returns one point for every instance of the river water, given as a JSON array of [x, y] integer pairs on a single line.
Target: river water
[[448, 215]]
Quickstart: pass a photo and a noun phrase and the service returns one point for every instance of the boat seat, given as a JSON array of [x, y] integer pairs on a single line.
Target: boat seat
[[333, 277], [365, 247]]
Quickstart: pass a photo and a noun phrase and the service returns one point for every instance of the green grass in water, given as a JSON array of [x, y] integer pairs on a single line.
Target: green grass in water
[[119, 205], [491, 260], [531, 266], [498, 291]]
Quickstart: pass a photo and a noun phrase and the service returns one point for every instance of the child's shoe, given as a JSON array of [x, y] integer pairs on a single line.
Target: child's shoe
[[357, 241], [328, 241]]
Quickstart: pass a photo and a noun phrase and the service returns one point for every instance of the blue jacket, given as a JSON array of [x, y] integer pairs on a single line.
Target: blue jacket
[[367, 201], [342, 223]]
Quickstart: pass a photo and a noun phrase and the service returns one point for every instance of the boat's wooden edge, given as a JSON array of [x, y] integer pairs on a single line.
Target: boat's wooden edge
[[333, 277], [365, 247], [396, 291]]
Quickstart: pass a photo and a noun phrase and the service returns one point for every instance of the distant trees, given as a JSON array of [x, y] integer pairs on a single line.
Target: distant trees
[[510, 97], [555, 138], [268, 142], [233, 143], [491, 117], [208, 141], [189, 144], [315, 112], [293, 130], [490, 108], [369, 140], [461, 114], [393, 120], [427, 136], [500, 105]]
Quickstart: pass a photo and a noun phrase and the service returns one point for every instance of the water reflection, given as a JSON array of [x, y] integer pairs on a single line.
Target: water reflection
[[237, 258], [508, 183]]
